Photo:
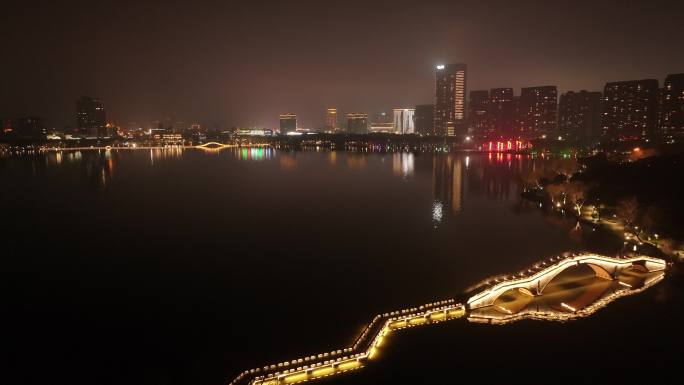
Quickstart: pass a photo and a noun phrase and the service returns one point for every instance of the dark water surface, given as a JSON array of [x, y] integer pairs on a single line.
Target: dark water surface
[[186, 267]]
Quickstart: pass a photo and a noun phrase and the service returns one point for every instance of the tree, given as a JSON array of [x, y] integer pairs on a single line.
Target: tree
[[556, 191], [577, 192], [627, 209]]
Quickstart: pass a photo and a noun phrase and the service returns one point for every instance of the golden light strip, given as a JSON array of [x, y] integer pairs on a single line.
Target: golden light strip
[[313, 368]]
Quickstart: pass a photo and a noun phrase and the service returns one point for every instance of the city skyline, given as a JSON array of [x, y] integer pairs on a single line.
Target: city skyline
[[279, 192], [194, 75], [519, 119]]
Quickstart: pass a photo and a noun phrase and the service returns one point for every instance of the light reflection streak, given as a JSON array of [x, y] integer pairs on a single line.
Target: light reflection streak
[[437, 211], [254, 153], [403, 164]]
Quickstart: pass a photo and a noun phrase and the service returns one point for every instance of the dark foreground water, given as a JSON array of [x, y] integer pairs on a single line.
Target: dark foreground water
[[186, 267]]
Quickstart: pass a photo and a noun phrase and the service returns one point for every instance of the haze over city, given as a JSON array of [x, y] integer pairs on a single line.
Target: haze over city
[[242, 64]]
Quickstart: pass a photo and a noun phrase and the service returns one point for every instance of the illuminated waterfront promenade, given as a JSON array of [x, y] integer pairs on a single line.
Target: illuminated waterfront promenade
[[204, 146], [353, 357], [560, 289]]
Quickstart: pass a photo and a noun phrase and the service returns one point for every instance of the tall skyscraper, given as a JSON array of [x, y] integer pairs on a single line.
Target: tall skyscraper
[[671, 109], [424, 119], [477, 112], [629, 109], [357, 123], [537, 111], [501, 113], [403, 120], [450, 98], [288, 123], [331, 119], [91, 118], [579, 115]]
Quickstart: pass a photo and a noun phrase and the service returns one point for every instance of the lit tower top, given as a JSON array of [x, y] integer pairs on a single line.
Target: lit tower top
[[331, 118], [450, 96]]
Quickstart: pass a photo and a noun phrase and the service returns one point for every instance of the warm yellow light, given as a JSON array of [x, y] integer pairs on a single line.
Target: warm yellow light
[[295, 378], [437, 316], [323, 371], [349, 365]]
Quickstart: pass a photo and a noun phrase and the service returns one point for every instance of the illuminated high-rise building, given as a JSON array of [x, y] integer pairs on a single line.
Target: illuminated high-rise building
[[537, 111], [671, 108], [450, 98], [630, 109], [477, 112], [91, 118], [579, 115], [424, 119], [331, 119], [357, 123], [403, 120], [501, 113], [288, 123]]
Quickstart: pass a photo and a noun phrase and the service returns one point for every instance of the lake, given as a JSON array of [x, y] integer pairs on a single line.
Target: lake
[[187, 266]]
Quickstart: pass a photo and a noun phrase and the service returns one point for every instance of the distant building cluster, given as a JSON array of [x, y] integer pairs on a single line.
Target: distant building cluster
[[625, 110], [636, 109]]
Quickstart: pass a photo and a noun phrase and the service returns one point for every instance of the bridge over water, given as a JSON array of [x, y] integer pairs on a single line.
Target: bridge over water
[[532, 293], [533, 281]]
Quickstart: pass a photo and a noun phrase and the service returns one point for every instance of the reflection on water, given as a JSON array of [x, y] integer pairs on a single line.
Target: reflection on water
[[447, 177], [240, 153], [437, 212], [403, 164], [221, 205], [160, 153], [453, 175], [254, 153], [97, 165], [357, 162], [494, 174], [288, 162]]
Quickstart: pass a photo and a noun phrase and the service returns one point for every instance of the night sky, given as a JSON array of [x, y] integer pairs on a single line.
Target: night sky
[[242, 63]]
